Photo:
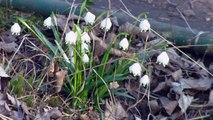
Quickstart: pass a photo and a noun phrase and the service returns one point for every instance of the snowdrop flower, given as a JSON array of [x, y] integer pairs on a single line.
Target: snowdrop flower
[[89, 18], [15, 29], [48, 22], [85, 58], [71, 38], [124, 44], [144, 25], [85, 37], [106, 23], [144, 80], [163, 59], [135, 69], [84, 47]]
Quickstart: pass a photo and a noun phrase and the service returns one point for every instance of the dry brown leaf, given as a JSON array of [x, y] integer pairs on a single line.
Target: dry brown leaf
[[168, 105], [201, 84], [155, 107], [177, 75], [184, 102], [8, 47], [60, 76], [160, 87], [114, 111]]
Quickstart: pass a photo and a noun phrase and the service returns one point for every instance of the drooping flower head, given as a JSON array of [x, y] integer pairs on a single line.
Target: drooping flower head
[[89, 18], [144, 80], [15, 29], [163, 59], [124, 44], [71, 38], [48, 22], [135, 69], [144, 25], [85, 58], [85, 37], [106, 24]]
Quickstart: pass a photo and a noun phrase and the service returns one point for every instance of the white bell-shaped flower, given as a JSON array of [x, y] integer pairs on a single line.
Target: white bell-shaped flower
[[85, 37], [124, 44], [15, 29], [144, 80], [89, 18], [85, 58], [48, 22], [71, 38], [84, 47], [135, 69], [163, 59], [106, 23], [113, 85], [144, 25]]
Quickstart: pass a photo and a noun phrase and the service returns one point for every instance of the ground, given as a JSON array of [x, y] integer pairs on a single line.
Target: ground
[[198, 13]]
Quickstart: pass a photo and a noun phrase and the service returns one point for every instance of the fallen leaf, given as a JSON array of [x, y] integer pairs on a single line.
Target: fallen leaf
[[13, 100], [201, 84], [168, 105], [60, 77], [4, 79], [155, 107], [160, 87], [8, 47], [184, 102], [2, 72], [114, 111], [177, 75]]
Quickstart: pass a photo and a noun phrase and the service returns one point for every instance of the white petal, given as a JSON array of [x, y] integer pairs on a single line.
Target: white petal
[[144, 25], [48, 22], [144, 80], [15, 29], [85, 58], [85, 37], [124, 44], [135, 69], [84, 47], [163, 59], [71, 38], [106, 23], [89, 18]]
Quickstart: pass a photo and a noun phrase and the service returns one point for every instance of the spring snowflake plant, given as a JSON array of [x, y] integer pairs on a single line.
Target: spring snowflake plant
[[87, 81]]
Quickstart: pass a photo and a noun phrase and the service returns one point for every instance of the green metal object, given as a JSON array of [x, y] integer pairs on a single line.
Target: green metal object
[[179, 35]]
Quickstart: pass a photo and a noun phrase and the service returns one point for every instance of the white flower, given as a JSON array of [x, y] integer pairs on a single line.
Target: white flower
[[135, 69], [15, 29], [89, 18], [85, 58], [124, 44], [84, 47], [144, 80], [48, 22], [144, 25], [106, 23], [71, 38], [85, 37], [163, 59]]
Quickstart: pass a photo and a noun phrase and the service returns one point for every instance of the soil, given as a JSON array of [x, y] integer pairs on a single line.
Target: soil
[[197, 13]]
